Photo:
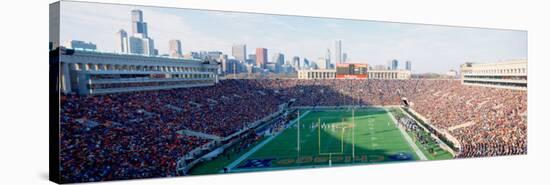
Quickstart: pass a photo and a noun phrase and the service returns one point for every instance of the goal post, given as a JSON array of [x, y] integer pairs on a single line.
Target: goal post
[[341, 152], [337, 138]]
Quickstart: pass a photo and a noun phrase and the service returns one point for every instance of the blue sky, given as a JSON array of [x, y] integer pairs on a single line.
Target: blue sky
[[430, 48]]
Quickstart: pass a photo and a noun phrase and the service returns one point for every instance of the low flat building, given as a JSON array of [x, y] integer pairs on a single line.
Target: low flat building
[[389, 74], [371, 74], [508, 74], [317, 74]]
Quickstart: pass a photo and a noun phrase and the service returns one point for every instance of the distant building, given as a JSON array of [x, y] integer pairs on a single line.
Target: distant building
[[122, 41], [344, 57], [279, 60], [312, 65], [213, 55], [78, 44], [338, 52], [379, 67], [261, 57], [296, 62], [305, 64], [148, 46], [509, 74], [452, 74], [139, 42], [224, 59], [317, 74], [389, 74], [138, 25], [393, 64], [136, 45], [251, 59], [408, 65], [271, 67], [175, 49], [322, 63], [233, 67], [239, 52], [327, 57], [191, 55]]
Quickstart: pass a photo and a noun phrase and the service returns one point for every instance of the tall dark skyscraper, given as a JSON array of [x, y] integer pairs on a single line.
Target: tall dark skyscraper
[[296, 62], [408, 65], [139, 42], [394, 64], [261, 57], [138, 26]]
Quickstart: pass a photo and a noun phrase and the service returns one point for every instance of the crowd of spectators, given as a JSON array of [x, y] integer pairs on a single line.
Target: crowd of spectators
[[134, 135]]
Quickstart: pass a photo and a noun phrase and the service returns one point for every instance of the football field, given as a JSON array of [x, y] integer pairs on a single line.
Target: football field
[[331, 138]]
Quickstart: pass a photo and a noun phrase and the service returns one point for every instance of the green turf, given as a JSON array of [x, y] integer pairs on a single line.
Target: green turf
[[439, 153], [216, 165], [376, 138]]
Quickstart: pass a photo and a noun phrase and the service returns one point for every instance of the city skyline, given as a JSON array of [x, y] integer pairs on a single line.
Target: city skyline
[[307, 37]]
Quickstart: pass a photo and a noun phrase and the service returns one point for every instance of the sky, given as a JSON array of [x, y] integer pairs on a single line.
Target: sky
[[430, 48]]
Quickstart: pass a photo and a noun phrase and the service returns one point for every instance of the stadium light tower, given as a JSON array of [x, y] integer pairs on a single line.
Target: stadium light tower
[[353, 135], [298, 136]]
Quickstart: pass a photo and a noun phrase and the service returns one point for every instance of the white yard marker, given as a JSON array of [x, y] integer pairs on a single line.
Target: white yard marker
[[257, 147]]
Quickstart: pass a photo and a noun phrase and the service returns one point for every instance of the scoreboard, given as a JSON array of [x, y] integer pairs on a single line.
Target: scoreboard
[[351, 71]]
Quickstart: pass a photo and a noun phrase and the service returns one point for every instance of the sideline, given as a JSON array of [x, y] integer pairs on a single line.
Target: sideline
[[408, 138], [257, 147]]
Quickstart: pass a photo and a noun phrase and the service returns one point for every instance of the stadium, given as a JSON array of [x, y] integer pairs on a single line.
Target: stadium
[[129, 127]]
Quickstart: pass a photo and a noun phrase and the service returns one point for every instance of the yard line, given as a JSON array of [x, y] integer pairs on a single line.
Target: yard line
[[408, 138], [257, 147]]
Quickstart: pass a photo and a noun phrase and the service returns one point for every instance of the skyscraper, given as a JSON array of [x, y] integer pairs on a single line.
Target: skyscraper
[[136, 45], [394, 64], [239, 52], [344, 57], [322, 63], [175, 48], [338, 52], [148, 46], [138, 26], [223, 60], [279, 60], [296, 62], [305, 64], [327, 57], [408, 65], [139, 42], [122, 41], [261, 57]]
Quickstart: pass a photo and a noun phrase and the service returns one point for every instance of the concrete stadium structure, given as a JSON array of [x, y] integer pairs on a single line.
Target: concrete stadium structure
[[508, 74], [92, 72], [371, 74]]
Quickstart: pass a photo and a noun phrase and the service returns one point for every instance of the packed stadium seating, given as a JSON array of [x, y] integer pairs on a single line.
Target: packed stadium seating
[[133, 135]]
